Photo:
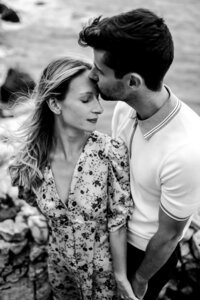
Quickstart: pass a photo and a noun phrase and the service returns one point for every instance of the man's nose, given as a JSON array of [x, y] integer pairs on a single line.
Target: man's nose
[[93, 75]]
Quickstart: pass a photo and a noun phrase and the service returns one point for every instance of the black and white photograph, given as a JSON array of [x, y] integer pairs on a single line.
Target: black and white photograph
[[99, 150]]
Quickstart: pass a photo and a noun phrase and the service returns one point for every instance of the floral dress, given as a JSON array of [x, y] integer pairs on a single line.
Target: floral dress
[[80, 263]]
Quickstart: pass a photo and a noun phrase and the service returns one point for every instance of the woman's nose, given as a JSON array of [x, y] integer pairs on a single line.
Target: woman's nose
[[93, 75], [98, 108]]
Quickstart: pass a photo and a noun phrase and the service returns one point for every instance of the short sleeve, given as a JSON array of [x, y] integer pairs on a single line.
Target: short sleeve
[[120, 115], [180, 182], [120, 203]]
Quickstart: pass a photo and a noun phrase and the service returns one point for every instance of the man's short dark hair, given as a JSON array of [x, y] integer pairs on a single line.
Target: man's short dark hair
[[136, 41]]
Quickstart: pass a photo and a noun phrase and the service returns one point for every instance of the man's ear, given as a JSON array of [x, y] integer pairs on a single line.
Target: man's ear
[[135, 80], [54, 106]]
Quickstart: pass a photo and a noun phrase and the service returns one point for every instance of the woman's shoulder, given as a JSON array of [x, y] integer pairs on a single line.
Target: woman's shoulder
[[109, 144], [104, 138]]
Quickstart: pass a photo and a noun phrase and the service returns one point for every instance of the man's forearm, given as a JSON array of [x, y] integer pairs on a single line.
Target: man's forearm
[[157, 253]]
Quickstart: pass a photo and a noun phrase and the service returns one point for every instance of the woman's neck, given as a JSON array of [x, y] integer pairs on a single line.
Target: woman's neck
[[69, 144]]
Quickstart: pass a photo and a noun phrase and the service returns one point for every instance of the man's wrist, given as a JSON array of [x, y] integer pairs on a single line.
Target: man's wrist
[[140, 279]]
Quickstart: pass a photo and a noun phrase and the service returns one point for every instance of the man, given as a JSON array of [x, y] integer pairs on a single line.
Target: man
[[132, 53]]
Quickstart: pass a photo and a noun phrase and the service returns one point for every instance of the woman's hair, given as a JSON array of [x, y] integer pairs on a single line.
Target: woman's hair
[[36, 134], [136, 41]]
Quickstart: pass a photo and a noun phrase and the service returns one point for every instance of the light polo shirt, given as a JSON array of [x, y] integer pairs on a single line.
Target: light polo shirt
[[164, 165]]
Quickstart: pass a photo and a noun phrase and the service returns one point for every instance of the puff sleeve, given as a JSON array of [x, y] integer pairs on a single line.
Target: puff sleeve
[[120, 202]]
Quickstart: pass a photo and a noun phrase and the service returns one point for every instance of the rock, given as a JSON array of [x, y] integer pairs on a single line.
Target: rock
[[196, 221], [27, 210], [36, 270], [5, 181], [189, 233], [9, 15], [13, 231], [4, 257], [7, 191], [8, 213], [2, 8], [43, 290], [2, 281], [39, 228], [6, 203], [20, 290], [20, 259], [4, 248], [196, 244], [21, 229], [17, 83], [187, 290], [8, 270], [7, 229], [8, 210], [185, 250], [16, 248], [16, 274], [37, 251], [40, 3]]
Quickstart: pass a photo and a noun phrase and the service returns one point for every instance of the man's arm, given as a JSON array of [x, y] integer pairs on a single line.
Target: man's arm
[[158, 251]]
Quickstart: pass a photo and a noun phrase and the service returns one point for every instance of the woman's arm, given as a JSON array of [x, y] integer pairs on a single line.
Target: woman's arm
[[119, 249]]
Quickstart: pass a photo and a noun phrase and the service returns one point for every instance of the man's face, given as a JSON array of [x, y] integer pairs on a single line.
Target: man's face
[[110, 87]]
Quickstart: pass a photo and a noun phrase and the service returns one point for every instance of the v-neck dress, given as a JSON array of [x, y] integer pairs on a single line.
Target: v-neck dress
[[99, 201]]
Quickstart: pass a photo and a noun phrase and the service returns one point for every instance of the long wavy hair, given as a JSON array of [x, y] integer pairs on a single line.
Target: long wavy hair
[[36, 135]]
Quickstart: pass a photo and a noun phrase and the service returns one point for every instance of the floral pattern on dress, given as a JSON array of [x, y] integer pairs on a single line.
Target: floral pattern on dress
[[80, 263]]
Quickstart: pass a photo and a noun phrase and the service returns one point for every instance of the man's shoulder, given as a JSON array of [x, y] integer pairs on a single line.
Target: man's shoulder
[[188, 112], [122, 108], [121, 117]]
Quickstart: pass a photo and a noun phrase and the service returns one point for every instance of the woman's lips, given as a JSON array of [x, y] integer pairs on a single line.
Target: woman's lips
[[92, 120]]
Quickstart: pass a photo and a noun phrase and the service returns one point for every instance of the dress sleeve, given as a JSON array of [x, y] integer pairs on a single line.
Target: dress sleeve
[[120, 202]]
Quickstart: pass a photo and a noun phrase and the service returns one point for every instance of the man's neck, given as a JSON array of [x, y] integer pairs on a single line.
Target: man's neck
[[148, 103]]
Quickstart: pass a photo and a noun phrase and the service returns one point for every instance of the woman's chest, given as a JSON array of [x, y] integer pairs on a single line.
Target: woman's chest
[[76, 192], [62, 174]]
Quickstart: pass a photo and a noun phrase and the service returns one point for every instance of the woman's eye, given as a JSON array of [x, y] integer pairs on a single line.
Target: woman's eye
[[85, 100]]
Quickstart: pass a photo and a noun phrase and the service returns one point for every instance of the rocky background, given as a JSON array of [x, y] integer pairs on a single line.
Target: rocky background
[[23, 240], [33, 32]]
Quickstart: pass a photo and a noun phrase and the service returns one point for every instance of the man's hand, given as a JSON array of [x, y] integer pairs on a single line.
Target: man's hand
[[124, 288], [139, 286]]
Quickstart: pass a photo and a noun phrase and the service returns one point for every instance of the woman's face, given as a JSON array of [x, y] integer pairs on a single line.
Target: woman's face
[[81, 108]]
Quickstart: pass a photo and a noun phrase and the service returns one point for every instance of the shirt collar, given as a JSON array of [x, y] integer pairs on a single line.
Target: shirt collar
[[161, 118]]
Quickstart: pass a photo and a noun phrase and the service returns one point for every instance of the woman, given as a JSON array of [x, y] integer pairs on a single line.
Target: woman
[[81, 181]]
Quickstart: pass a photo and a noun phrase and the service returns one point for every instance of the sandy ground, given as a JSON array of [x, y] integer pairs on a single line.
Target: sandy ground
[[49, 29]]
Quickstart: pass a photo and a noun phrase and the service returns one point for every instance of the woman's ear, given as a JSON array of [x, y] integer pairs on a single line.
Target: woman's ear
[[54, 106]]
